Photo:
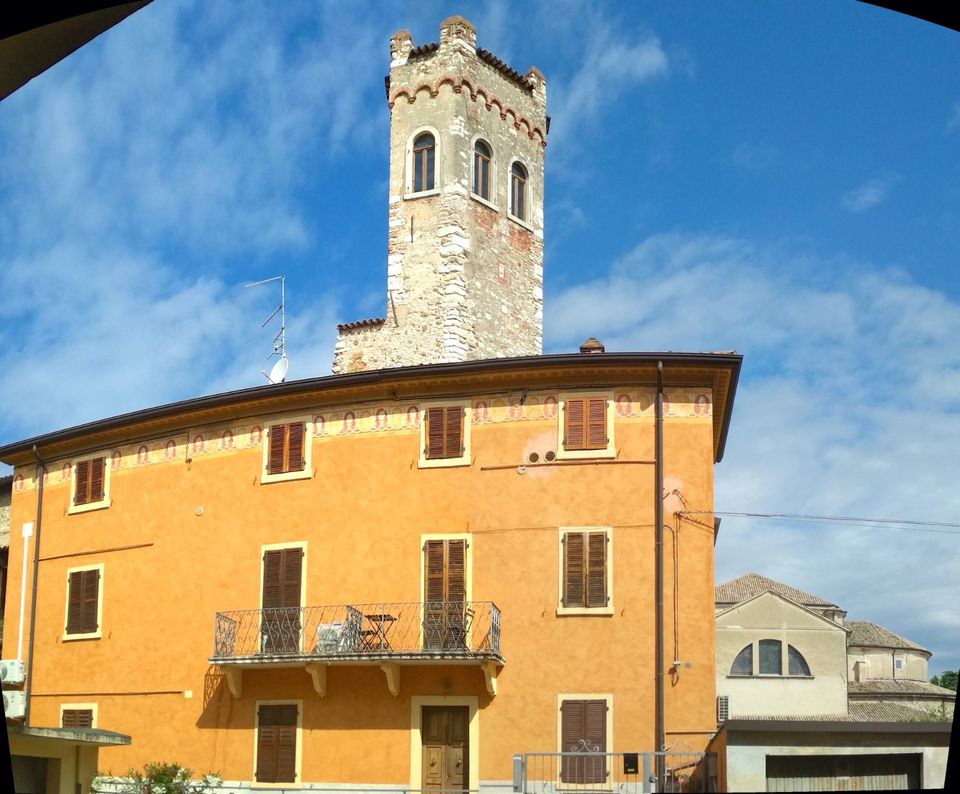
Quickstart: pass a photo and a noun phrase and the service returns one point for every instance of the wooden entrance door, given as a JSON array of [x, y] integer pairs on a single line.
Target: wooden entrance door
[[446, 748], [280, 626]]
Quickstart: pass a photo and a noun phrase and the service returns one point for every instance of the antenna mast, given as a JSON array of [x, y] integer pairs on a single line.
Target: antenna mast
[[278, 372]]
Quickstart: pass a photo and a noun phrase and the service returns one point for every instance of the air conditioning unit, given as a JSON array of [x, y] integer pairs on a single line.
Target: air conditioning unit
[[11, 671], [14, 704], [723, 708]]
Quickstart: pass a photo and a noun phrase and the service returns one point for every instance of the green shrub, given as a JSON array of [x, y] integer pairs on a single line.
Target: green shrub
[[158, 778]]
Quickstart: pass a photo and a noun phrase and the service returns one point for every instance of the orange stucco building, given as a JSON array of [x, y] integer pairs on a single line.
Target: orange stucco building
[[189, 513], [399, 576]]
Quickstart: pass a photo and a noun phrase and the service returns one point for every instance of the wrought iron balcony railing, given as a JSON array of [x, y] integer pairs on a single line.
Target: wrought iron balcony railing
[[418, 629]]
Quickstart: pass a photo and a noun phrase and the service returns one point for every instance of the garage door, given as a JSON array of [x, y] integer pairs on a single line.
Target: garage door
[[843, 772]]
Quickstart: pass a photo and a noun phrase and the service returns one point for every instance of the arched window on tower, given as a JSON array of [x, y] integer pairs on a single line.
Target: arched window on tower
[[518, 191], [424, 155], [481, 169]]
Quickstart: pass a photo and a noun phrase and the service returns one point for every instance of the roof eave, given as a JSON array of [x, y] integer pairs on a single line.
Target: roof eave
[[460, 369]]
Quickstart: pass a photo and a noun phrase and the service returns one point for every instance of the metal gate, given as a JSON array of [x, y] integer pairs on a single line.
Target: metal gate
[[631, 773]]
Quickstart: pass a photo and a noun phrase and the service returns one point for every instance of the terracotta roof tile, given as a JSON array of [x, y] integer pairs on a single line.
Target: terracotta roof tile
[[752, 584], [361, 324], [899, 686], [863, 632], [503, 68]]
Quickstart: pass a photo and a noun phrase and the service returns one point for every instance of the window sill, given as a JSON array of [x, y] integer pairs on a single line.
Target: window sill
[[520, 222], [86, 508], [71, 637], [433, 463], [581, 454], [421, 194], [584, 611], [486, 202], [304, 474]]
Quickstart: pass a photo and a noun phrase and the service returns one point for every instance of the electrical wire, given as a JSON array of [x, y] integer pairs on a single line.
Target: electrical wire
[[905, 525]]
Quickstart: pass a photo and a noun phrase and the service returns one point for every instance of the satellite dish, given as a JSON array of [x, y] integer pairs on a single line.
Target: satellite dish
[[279, 370]]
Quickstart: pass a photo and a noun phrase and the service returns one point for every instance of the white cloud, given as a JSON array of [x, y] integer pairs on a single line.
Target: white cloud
[[610, 65], [848, 405], [868, 195]]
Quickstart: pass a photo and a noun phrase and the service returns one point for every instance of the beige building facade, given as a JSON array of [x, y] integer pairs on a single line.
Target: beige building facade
[[791, 712], [775, 656]]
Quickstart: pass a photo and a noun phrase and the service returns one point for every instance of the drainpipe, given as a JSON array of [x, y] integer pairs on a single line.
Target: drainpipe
[[33, 594], [658, 576]]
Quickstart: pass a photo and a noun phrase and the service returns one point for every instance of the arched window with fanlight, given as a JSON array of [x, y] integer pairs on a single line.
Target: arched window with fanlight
[[481, 169], [743, 664], [796, 664], [518, 191], [770, 661], [424, 162]]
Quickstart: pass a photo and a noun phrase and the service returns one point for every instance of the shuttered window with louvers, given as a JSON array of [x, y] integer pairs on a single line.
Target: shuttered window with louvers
[[585, 569], [277, 744], [88, 485], [286, 448], [583, 730], [444, 436], [445, 592], [585, 423], [83, 596], [77, 718], [282, 580]]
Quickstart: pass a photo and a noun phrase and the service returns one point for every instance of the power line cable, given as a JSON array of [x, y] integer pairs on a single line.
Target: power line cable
[[905, 525]]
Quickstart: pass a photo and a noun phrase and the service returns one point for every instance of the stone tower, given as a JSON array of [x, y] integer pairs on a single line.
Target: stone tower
[[465, 237]]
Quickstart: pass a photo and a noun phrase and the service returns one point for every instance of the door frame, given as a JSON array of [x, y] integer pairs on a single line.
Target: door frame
[[417, 702]]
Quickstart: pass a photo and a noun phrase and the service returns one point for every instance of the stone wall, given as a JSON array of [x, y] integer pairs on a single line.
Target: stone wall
[[464, 277]]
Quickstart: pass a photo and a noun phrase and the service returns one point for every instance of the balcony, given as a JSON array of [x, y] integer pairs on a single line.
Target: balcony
[[388, 634]]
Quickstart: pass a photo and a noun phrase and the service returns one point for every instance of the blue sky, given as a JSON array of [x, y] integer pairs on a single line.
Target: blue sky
[[779, 178]]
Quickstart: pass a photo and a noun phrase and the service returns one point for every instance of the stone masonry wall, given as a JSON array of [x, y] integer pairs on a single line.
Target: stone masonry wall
[[464, 277]]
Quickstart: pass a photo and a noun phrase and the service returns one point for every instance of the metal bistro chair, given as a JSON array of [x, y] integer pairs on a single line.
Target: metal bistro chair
[[458, 629], [350, 633]]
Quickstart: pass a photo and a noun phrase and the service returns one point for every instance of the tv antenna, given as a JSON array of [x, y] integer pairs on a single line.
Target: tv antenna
[[278, 372]]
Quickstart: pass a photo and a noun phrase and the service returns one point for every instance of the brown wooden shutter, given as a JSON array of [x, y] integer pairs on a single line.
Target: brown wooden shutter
[[277, 744], [295, 433], [278, 438], [81, 486], [82, 599], [434, 579], [596, 570], [91, 598], [573, 569], [74, 602], [583, 729], [596, 423], [456, 570], [453, 447], [272, 568], [574, 431], [282, 576], [435, 433], [77, 718], [97, 466]]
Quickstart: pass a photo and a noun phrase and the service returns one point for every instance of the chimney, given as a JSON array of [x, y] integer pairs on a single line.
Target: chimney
[[592, 345]]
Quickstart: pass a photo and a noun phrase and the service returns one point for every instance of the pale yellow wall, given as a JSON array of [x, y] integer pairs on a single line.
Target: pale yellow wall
[[821, 642], [73, 763], [746, 756], [880, 663]]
